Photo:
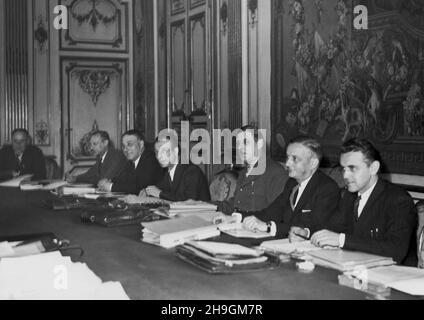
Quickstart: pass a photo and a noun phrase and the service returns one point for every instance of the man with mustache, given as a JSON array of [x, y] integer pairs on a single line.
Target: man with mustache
[[375, 216]]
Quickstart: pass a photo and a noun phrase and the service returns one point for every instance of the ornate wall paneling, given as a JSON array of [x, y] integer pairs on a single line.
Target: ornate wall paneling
[[95, 97], [235, 64], [335, 83], [253, 61], [41, 57], [100, 25], [144, 68], [190, 62], [223, 109], [16, 103], [2, 75]]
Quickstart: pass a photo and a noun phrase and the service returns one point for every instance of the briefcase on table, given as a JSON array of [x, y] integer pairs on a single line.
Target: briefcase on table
[[30, 244], [117, 213]]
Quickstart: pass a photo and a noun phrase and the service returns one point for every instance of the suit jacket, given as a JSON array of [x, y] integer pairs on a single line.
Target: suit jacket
[[315, 207], [256, 192], [111, 168], [32, 163], [133, 180], [392, 212], [189, 183]]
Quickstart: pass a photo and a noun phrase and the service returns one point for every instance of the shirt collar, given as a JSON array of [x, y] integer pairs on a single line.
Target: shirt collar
[[172, 172], [137, 161], [367, 194], [304, 183]]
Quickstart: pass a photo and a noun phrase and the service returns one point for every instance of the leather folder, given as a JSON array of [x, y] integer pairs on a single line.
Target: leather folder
[[212, 266]]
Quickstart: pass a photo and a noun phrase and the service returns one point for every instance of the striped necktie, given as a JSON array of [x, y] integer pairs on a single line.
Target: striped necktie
[[293, 196]]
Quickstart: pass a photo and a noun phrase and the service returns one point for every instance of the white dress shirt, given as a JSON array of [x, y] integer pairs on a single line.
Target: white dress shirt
[[302, 188], [172, 173]]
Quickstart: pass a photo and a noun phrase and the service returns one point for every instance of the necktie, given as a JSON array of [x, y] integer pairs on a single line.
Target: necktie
[[356, 206], [293, 196]]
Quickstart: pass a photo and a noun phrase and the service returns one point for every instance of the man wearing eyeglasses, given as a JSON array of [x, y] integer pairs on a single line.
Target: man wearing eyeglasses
[[21, 158]]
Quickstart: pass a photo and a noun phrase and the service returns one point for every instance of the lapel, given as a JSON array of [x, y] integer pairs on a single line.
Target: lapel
[[312, 185], [375, 195], [143, 157], [179, 171]]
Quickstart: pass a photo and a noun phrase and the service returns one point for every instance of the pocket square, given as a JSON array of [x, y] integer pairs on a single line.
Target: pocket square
[[306, 211]]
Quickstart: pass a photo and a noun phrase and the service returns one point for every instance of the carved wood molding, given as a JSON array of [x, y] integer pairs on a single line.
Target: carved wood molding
[[94, 82]]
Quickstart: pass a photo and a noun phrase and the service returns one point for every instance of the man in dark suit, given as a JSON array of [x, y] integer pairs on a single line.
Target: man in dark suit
[[141, 170], [309, 198], [375, 216], [182, 181], [109, 162], [21, 158], [254, 192]]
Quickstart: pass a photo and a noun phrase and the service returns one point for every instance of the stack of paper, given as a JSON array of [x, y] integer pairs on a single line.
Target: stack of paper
[[226, 253], [405, 279], [189, 208], [238, 230], [51, 276], [16, 182], [67, 191], [344, 260], [284, 246], [42, 185], [174, 232]]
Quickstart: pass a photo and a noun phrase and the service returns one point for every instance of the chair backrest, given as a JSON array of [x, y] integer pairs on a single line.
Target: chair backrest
[[223, 186], [420, 234], [52, 169]]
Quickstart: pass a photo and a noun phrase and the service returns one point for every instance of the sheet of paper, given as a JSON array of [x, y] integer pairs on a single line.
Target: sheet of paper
[[6, 249], [391, 274], [413, 287], [51, 276], [16, 182], [221, 248], [286, 247], [163, 227]]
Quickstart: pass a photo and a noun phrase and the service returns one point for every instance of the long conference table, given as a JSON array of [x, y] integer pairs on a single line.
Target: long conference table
[[152, 273]]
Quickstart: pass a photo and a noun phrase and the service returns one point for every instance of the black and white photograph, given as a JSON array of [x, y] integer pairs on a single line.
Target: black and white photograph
[[211, 156]]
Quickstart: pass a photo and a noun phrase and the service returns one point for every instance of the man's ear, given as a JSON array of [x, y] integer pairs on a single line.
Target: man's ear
[[375, 167], [315, 162]]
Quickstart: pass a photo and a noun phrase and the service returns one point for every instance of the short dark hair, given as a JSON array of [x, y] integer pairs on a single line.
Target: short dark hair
[[20, 130], [364, 146], [102, 134], [256, 134], [135, 133], [312, 144]]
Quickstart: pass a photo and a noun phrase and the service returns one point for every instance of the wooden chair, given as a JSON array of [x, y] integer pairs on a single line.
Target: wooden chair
[[420, 234], [52, 169]]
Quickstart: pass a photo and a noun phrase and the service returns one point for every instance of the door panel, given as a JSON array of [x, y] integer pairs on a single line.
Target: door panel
[[94, 98]]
